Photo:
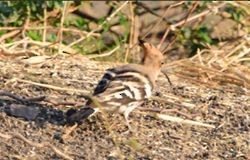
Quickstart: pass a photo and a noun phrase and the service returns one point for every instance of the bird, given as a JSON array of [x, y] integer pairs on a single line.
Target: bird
[[123, 88]]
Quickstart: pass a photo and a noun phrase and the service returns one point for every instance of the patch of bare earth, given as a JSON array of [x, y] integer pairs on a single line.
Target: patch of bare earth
[[195, 96]]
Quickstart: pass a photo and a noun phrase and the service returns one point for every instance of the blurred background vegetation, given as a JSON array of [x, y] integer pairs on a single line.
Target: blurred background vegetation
[[109, 30]]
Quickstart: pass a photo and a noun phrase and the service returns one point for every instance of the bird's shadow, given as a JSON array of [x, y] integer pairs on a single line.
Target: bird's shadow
[[32, 111]]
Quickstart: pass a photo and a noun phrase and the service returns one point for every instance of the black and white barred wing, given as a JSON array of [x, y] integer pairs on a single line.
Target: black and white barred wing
[[122, 88], [104, 82]]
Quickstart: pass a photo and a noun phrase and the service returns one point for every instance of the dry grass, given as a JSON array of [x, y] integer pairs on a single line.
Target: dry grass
[[204, 115], [208, 109]]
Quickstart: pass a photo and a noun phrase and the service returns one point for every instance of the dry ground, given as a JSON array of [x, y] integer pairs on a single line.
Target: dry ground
[[226, 106]]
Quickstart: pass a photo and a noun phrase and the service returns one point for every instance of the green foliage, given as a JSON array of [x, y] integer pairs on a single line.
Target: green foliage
[[123, 20], [52, 37], [237, 13], [34, 35], [14, 13], [194, 38], [81, 23], [54, 4], [1, 33]]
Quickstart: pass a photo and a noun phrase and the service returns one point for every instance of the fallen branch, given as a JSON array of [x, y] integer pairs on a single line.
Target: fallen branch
[[177, 119], [35, 144], [60, 32], [104, 54], [50, 86], [159, 110], [170, 83], [183, 121], [38, 99], [19, 98], [172, 102], [6, 52], [9, 35], [132, 29], [52, 28]]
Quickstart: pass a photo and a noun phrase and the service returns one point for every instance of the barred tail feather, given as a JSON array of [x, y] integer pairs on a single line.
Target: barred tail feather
[[77, 116]]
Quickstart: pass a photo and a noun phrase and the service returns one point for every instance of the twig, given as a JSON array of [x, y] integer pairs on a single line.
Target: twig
[[100, 26], [215, 75], [182, 23], [41, 45], [19, 98], [50, 28], [162, 18], [149, 10], [38, 99], [26, 23], [178, 120], [60, 32], [242, 75], [50, 86], [183, 121], [188, 19], [132, 28], [35, 144], [85, 15], [155, 9], [168, 100], [171, 26], [159, 110], [69, 130], [9, 35], [44, 21], [104, 54], [165, 74], [6, 52], [197, 16]]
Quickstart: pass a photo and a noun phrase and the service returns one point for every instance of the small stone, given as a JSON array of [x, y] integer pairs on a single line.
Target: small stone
[[22, 111]]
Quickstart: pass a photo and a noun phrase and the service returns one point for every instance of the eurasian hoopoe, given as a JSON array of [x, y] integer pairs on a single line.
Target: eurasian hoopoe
[[125, 87]]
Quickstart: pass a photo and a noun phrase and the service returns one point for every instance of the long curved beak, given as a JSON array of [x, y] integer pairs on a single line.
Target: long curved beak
[[141, 42]]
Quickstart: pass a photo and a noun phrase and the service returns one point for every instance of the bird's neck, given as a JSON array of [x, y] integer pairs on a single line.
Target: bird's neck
[[153, 73]]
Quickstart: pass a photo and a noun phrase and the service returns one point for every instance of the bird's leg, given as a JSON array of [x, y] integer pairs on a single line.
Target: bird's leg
[[126, 115]]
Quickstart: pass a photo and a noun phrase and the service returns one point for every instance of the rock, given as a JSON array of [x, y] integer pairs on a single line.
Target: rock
[[22, 111], [225, 29]]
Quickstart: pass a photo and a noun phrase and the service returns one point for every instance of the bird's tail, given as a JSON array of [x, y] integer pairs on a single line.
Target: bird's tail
[[78, 116]]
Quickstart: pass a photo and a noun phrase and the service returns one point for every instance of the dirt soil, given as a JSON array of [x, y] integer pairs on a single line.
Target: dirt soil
[[227, 108]]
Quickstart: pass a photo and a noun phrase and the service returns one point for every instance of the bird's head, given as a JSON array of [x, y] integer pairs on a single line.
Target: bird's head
[[152, 57]]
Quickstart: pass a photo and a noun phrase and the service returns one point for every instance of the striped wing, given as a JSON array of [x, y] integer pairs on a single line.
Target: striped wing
[[122, 87], [104, 82]]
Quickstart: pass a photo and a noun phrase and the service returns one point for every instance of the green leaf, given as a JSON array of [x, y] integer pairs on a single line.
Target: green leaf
[[122, 19], [32, 6], [50, 4], [236, 16], [52, 37], [80, 23], [34, 35], [2, 32], [105, 27]]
